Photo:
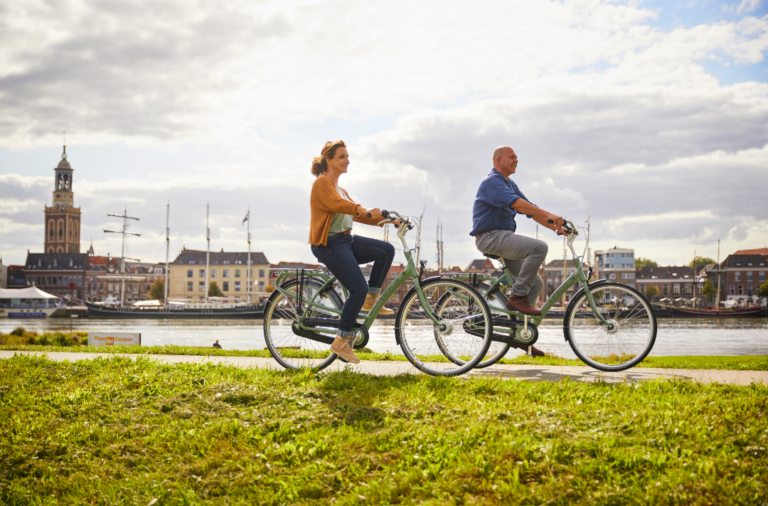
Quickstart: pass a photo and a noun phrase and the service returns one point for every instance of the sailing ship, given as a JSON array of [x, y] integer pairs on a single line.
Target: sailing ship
[[209, 308]]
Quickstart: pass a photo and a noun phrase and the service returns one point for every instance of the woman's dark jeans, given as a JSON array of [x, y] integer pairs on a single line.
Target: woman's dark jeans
[[343, 254]]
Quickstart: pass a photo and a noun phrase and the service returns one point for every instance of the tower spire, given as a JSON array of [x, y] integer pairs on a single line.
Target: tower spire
[[64, 154]]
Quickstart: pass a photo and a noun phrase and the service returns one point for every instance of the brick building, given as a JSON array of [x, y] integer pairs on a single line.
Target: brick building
[[62, 218], [54, 272], [741, 277]]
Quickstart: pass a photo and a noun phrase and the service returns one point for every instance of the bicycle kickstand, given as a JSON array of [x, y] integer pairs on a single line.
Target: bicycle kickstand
[[525, 320]]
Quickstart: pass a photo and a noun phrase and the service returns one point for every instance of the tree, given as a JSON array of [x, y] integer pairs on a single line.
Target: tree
[[763, 291], [651, 291], [214, 290], [157, 292], [709, 291], [644, 262], [701, 261]]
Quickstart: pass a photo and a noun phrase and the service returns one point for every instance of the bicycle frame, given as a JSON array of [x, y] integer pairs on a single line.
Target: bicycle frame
[[577, 276], [410, 271]]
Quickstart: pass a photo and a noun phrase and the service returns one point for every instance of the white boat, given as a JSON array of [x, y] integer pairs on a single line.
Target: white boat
[[28, 303]]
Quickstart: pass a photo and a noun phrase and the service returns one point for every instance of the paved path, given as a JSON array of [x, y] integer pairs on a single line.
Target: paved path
[[381, 368]]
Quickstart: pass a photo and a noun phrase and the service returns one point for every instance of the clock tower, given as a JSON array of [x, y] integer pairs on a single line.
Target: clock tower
[[62, 218]]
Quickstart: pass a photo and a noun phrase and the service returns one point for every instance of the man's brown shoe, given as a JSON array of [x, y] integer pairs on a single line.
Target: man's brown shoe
[[521, 304]]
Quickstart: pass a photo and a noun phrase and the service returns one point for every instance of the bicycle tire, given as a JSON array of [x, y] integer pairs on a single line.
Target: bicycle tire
[[286, 347], [615, 348], [422, 341]]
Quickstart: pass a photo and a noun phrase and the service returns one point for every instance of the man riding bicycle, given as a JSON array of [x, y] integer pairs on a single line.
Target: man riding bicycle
[[497, 202]]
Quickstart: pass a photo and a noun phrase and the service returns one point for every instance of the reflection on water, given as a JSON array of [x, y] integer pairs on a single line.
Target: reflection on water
[[746, 336]]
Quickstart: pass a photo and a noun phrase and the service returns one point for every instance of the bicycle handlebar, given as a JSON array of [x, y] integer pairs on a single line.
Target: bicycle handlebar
[[567, 227]]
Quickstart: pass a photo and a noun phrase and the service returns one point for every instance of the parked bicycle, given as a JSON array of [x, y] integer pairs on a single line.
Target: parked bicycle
[[433, 322], [609, 326]]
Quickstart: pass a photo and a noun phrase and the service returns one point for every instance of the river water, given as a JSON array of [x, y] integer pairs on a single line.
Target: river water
[[676, 336]]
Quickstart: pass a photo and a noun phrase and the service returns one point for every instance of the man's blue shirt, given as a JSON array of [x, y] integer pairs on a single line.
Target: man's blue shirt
[[492, 209]]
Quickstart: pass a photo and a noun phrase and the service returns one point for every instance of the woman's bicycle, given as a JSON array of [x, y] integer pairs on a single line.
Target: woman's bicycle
[[438, 318], [609, 326]]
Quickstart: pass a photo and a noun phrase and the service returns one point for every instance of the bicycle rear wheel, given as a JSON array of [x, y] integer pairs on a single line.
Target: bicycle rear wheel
[[280, 313], [426, 345], [625, 341]]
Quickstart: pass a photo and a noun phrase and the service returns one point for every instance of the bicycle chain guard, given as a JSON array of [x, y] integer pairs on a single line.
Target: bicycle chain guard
[[475, 327]]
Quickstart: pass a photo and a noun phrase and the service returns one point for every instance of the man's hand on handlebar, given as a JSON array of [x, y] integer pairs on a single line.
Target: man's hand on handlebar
[[558, 223]]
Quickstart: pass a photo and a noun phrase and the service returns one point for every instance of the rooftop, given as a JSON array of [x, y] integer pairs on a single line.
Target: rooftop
[[197, 257]]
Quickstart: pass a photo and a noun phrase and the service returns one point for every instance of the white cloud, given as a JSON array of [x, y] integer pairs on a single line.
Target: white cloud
[[610, 117]]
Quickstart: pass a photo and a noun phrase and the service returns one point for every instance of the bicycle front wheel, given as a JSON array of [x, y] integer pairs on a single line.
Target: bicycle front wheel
[[456, 344], [624, 341], [293, 351]]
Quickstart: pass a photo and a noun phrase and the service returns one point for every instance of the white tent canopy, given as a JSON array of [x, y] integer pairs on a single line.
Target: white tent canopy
[[25, 293]]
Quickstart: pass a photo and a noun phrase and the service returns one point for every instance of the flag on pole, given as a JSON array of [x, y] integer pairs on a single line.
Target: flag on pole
[[247, 216]]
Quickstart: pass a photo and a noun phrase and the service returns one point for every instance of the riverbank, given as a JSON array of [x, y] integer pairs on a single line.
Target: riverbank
[[122, 430], [717, 362]]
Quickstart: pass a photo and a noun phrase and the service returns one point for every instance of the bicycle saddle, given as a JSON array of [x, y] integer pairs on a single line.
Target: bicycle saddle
[[492, 257]]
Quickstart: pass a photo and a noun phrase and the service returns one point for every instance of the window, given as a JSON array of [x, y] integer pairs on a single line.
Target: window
[[731, 290], [261, 286], [741, 290], [237, 273], [189, 286], [762, 276], [749, 290], [189, 273], [642, 289], [213, 273], [261, 273], [749, 276], [549, 274], [687, 289], [665, 289], [737, 275], [613, 276], [225, 273], [237, 286], [676, 288], [226, 285], [202, 273], [631, 275], [201, 286]]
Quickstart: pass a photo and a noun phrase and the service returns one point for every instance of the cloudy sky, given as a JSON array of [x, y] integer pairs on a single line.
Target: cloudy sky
[[649, 117]]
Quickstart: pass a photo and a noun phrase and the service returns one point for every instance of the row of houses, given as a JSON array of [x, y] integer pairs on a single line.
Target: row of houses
[[738, 277]]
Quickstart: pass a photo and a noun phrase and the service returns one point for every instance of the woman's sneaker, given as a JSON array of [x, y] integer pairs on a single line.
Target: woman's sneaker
[[343, 347], [370, 300]]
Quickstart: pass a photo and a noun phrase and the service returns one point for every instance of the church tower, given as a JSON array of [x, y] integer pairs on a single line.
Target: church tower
[[62, 218]]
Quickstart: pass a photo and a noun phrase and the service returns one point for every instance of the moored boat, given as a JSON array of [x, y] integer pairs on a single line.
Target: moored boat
[[745, 312], [29, 302], [178, 311]]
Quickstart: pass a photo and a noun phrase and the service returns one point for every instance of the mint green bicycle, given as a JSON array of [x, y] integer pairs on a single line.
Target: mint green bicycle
[[438, 318], [609, 326]]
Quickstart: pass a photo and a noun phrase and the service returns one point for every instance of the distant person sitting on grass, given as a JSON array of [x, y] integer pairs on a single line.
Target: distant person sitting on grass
[[216, 344]]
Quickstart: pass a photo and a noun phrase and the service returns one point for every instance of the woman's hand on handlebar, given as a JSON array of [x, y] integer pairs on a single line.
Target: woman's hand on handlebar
[[374, 213]]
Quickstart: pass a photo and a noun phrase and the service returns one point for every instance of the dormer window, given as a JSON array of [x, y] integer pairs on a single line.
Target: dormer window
[[749, 264], [70, 263], [675, 274]]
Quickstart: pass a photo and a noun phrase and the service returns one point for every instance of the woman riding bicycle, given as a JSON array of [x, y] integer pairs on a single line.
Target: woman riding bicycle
[[332, 214]]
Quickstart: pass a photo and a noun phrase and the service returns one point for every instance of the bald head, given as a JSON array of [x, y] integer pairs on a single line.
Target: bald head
[[499, 151], [505, 160]]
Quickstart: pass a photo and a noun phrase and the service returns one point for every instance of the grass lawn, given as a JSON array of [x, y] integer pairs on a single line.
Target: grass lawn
[[119, 431]]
